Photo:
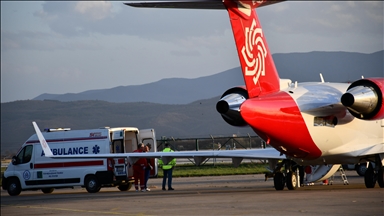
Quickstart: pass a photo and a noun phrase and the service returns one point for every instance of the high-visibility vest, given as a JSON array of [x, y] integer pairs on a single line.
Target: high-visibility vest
[[171, 164]]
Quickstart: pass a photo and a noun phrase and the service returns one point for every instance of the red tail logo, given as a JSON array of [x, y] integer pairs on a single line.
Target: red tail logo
[[253, 40], [256, 62]]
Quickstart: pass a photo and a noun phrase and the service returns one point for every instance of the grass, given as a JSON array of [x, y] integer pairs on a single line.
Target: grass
[[216, 170]]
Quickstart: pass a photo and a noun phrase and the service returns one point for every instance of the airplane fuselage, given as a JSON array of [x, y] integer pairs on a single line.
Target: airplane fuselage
[[308, 123]]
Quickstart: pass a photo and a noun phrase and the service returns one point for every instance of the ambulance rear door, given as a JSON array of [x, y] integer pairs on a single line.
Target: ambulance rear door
[[148, 136], [117, 146]]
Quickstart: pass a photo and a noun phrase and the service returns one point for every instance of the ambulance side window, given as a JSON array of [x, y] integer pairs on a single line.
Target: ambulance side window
[[117, 146], [25, 154]]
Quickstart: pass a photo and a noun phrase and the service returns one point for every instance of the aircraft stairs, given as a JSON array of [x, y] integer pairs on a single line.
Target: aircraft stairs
[[342, 175]]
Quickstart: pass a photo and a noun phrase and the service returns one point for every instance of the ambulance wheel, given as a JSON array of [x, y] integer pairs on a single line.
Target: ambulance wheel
[[291, 180], [14, 187], [92, 184], [125, 187], [279, 181], [47, 190]]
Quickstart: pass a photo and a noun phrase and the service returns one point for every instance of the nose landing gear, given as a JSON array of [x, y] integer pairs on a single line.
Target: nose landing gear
[[286, 176]]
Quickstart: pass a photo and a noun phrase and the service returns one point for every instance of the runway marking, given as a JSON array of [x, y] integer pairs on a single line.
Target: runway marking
[[73, 210]]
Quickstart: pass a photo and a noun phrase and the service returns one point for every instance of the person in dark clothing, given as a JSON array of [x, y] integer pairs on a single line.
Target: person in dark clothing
[[150, 165]]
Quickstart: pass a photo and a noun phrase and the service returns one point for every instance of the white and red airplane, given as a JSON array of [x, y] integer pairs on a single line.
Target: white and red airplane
[[312, 123]]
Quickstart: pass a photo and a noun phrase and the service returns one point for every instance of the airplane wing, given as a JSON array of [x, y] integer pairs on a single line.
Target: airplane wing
[[187, 4], [198, 156], [372, 150]]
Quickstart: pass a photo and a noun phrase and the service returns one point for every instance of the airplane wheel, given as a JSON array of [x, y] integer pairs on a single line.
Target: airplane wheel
[[92, 184], [47, 190], [380, 177], [291, 180], [369, 177], [279, 181], [361, 168]]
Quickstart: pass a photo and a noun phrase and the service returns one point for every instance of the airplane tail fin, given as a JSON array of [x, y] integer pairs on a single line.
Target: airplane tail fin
[[259, 71], [44, 144], [257, 65]]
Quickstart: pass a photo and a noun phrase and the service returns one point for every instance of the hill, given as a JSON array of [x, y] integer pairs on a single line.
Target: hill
[[197, 119], [335, 67], [178, 108]]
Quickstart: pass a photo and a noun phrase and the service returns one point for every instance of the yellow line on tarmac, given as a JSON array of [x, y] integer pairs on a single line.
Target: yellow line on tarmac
[[72, 210]]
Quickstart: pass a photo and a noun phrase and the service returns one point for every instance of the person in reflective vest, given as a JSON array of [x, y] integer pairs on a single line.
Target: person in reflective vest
[[167, 168]]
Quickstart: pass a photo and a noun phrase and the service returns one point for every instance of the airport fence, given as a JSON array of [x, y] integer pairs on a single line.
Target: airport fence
[[212, 143]]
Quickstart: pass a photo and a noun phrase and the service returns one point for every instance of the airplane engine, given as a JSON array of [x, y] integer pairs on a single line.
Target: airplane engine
[[229, 106], [364, 99]]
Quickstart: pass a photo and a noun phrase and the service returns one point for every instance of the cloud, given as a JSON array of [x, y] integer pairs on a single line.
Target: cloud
[[70, 46], [185, 53], [43, 41], [95, 10]]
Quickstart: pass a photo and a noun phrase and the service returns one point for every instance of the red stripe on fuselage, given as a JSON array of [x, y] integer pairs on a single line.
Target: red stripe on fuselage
[[69, 164], [277, 119]]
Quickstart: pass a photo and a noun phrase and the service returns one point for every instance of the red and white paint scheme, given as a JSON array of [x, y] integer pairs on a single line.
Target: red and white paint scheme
[[33, 167], [314, 123]]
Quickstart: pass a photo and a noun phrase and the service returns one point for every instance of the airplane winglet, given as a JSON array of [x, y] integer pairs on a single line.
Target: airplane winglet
[[44, 144]]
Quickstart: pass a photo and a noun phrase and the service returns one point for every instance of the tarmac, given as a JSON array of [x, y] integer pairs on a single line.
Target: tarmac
[[220, 195]]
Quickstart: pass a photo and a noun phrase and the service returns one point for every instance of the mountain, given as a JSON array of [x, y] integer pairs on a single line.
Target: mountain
[[179, 108], [165, 91], [193, 120], [335, 67]]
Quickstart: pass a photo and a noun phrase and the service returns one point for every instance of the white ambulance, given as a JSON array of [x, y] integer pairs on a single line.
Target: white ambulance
[[31, 170]]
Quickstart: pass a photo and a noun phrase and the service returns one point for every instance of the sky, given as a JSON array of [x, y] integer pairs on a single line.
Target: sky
[[62, 47]]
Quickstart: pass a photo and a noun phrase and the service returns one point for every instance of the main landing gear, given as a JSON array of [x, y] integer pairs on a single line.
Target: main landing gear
[[374, 173], [286, 176]]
